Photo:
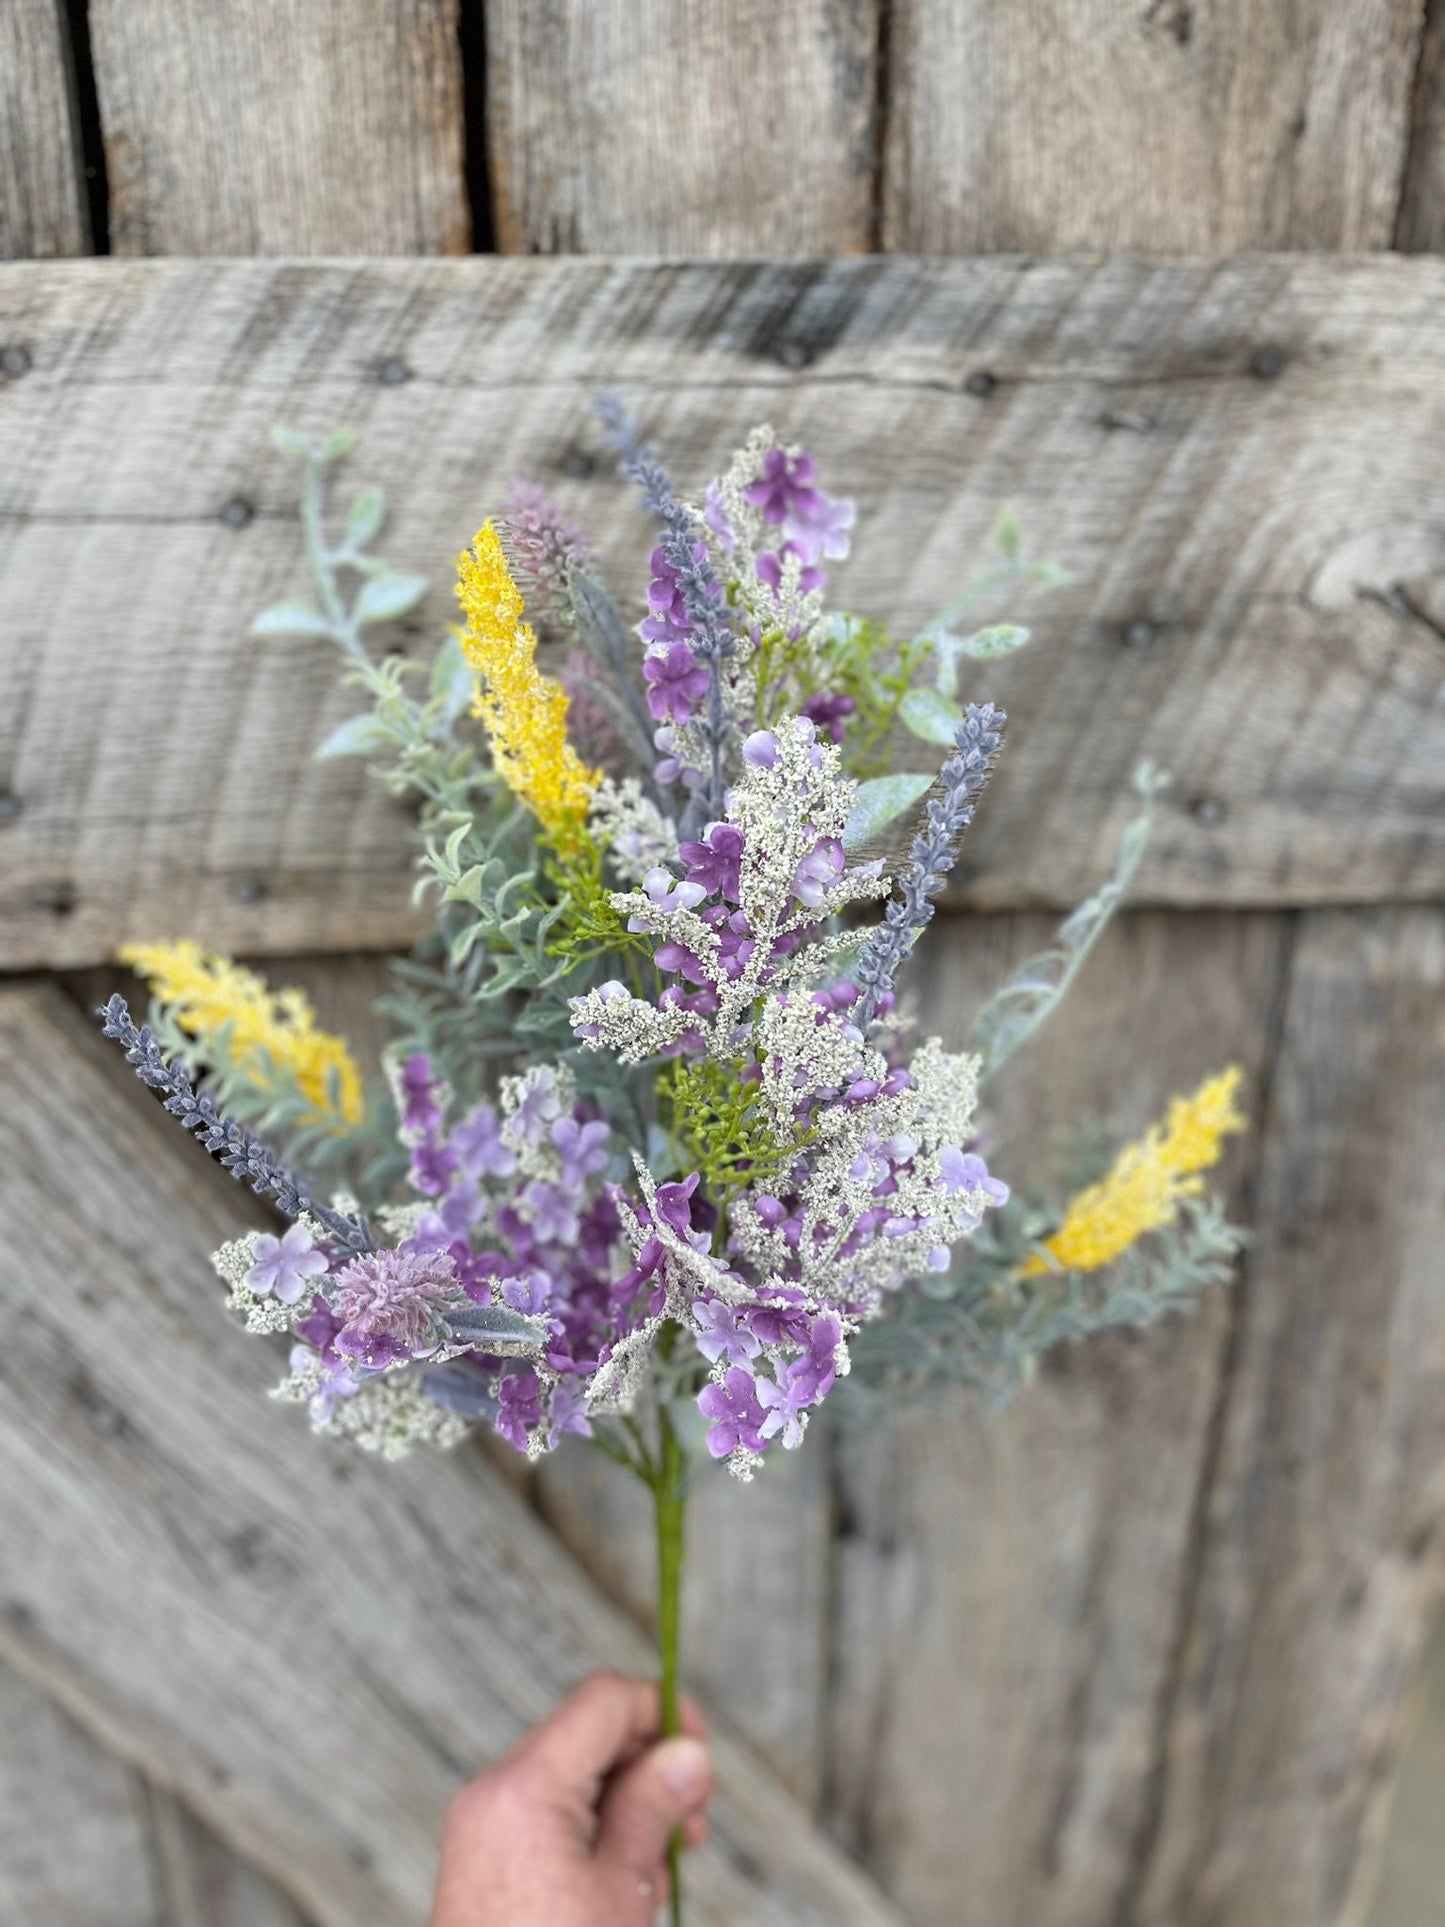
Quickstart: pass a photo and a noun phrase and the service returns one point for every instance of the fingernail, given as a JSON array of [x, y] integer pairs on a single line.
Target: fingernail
[[683, 1764]]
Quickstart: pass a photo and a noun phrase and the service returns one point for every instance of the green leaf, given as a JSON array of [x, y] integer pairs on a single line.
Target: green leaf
[[879, 801], [384, 597], [987, 645], [357, 736], [291, 441], [368, 511], [1008, 535], [452, 679], [340, 442], [290, 619], [930, 716]]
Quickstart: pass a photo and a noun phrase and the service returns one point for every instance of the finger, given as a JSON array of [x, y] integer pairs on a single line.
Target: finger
[[669, 1786], [601, 1724], [696, 1830], [694, 1720]]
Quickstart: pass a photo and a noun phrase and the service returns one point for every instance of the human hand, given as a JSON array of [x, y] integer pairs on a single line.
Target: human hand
[[570, 1828]]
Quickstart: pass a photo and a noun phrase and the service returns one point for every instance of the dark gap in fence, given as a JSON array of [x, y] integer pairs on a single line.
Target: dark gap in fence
[[1419, 217], [87, 124], [882, 86], [472, 35]]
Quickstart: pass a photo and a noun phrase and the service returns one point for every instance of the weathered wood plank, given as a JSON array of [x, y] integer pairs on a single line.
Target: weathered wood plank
[[42, 197], [1008, 1585], [1412, 1853], [679, 127], [266, 128], [1325, 1529], [1420, 224], [313, 1650], [74, 1822], [87, 1842], [1240, 465], [1168, 126]]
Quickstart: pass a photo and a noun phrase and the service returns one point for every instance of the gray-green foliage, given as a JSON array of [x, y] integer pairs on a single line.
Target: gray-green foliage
[[984, 1326]]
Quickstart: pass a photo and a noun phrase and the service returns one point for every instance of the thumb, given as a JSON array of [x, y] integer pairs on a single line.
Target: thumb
[[648, 1800]]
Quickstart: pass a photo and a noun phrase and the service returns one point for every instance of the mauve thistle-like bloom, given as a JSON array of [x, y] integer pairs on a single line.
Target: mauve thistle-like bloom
[[544, 545], [392, 1304], [932, 855]]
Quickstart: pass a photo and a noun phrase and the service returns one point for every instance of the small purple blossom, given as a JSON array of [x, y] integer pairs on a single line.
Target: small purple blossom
[[479, 1145], [770, 569], [966, 1171], [419, 1093], [784, 487], [676, 682], [830, 713], [821, 532], [581, 1147], [737, 1417], [282, 1265], [818, 872], [720, 1336]]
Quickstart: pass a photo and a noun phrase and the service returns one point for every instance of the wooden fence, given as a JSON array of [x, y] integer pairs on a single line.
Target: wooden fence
[[1135, 1652]]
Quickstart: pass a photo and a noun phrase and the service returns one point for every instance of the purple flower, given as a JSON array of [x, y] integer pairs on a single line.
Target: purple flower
[[537, 1105], [419, 1092], [674, 1206], [786, 1404], [390, 1304], [581, 1147], [737, 1417], [676, 682], [552, 1212], [761, 749], [479, 1146], [822, 530], [531, 1293], [433, 1166], [819, 870], [282, 1265], [784, 487], [719, 1335], [668, 620], [715, 863], [770, 569], [519, 1406], [830, 713], [966, 1171]]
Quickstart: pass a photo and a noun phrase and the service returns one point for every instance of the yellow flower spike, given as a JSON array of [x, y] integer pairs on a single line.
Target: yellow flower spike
[[267, 1028], [525, 712], [1148, 1182]]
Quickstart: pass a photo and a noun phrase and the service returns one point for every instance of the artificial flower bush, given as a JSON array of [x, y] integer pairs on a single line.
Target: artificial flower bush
[[658, 1159]]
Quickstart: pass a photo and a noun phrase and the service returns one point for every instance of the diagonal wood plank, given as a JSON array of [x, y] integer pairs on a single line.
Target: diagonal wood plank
[[313, 1650], [1324, 1545], [1254, 545], [264, 128], [1008, 1584], [1167, 125], [678, 127], [42, 199]]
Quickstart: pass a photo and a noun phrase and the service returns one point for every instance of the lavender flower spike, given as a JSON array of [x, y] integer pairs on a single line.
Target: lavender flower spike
[[243, 1155], [933, 855], [713, 641]]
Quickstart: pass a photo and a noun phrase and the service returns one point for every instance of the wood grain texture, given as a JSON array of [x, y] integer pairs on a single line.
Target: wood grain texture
[[315, 1650], [1324, 1541], [680, 127], [1241, 466], [1169, 125], [1008, 1585], [1420, 223], [42, 197], [259, 127], [86, 1842]]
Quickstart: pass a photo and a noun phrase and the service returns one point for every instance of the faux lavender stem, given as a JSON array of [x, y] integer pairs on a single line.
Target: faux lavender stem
[[713, 642], [246, 1158], [933, 855]]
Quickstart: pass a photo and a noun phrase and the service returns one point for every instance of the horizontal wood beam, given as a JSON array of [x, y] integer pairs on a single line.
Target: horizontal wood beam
[[1241, 465], [311, 1648]]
